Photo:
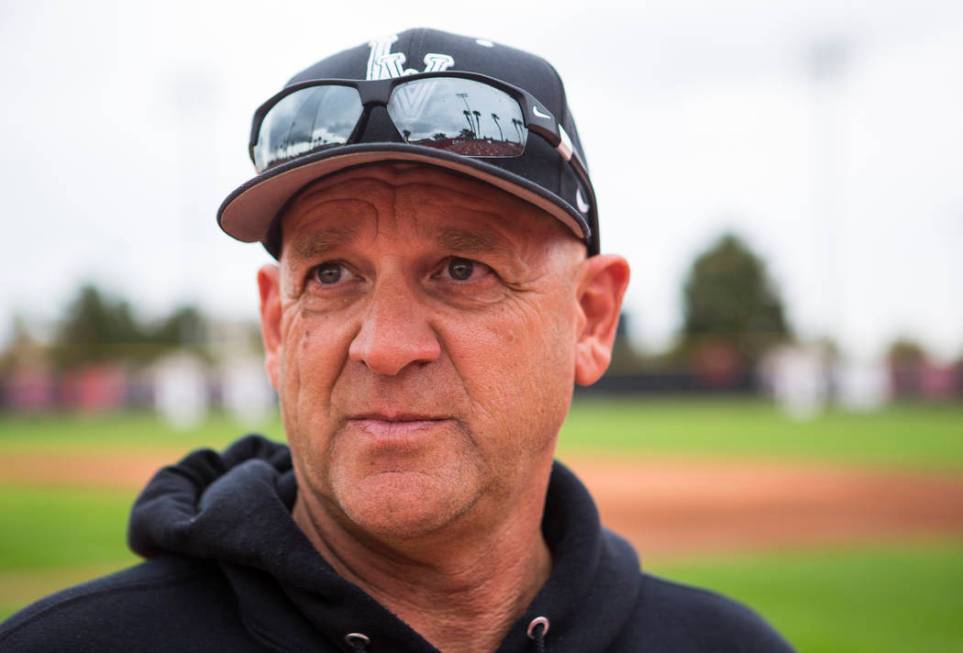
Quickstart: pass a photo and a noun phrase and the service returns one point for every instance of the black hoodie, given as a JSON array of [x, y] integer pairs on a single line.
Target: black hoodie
[[228, 570]]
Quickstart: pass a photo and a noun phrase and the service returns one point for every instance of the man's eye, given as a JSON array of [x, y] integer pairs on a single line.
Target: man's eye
[[328, 273], [461, 269]]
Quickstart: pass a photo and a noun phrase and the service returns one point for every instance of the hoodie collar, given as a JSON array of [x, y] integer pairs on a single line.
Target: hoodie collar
[[234, 508]]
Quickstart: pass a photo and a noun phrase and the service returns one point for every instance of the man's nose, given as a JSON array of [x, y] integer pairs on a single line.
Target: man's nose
[[394, 332]]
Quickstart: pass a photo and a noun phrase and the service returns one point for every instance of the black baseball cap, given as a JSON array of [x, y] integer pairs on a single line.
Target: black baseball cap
[[540, 176]]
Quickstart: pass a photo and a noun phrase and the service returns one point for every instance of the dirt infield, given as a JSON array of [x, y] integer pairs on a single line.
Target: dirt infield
[[674, 507], [666, 506], [103, 470]]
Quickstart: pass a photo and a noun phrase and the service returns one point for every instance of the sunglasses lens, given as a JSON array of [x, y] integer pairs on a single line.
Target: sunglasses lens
[[459, 115], [305, 121]]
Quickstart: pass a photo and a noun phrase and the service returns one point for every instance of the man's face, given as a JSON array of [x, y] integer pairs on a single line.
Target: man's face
[[421, 332]]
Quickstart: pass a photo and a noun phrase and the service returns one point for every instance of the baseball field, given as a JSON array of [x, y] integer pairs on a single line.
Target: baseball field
[[845, 531]]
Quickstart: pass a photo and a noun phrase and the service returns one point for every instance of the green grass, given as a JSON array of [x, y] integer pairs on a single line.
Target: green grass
[[50, 527], [866, 600], [54, 537], [872, 599], [117, 431], [915, 436]]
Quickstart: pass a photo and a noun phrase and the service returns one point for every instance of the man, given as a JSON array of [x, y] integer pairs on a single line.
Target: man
[[438, 292]]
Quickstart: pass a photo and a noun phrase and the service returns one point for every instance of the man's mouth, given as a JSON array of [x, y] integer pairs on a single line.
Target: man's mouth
[[388, 425]]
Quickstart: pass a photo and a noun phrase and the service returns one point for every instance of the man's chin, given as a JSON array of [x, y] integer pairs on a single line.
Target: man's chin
[[404, 504]]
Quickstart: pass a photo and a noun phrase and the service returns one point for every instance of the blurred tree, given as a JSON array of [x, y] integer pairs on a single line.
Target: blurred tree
[[906, 351], [625, 359], [732, 313], [97, 328], [906, 358], [22, 347], [184, 327]]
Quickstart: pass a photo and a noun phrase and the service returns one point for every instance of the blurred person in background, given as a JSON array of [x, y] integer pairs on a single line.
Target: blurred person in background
[[438, 292]]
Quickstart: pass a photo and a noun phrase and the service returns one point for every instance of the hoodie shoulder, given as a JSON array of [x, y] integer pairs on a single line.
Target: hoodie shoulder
[[675, 617], [159, 603]]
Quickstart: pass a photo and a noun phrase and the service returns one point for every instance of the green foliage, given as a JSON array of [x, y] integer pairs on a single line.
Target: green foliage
[[22, 346], [185, 326], [98, 328], [860, 600], [906, 351], [729, 300]]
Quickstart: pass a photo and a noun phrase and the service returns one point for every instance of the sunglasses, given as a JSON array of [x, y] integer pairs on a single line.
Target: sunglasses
[[459, 112]]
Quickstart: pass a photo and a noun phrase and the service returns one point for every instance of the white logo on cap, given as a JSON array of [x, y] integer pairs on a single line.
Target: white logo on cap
[[583, 206], [385, 64]]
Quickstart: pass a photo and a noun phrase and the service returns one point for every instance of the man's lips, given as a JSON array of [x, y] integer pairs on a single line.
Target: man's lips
[[383, 425]]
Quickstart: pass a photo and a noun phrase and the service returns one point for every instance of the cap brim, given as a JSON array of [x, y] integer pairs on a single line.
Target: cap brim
[[249, 211]]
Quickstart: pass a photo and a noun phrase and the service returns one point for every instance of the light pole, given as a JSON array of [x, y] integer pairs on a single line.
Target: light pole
[[468, 113]]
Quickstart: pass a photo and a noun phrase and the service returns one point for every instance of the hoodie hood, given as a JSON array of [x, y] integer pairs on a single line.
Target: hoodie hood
[[234, 510]]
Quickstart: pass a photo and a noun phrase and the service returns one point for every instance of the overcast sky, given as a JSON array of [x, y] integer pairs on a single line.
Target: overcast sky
[[124, 125]]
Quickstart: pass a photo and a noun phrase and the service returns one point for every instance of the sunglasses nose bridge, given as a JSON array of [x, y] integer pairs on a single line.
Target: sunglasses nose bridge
[[374, 121], [375, 92]]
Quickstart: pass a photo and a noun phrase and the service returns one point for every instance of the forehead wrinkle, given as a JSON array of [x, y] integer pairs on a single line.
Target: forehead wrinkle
[[346, 186], [480, 197], [470, 208], [490, 218], [485, 231], [339, 220], [503, 213]]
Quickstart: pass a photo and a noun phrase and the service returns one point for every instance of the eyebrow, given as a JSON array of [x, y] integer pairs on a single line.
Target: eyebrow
[[320, 242], [466, 240]]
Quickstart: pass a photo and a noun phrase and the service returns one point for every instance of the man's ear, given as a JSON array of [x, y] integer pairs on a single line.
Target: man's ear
[[602, 286], [268, 283]]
